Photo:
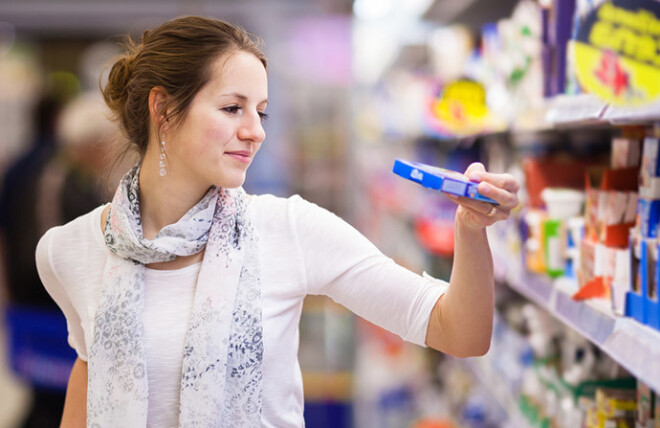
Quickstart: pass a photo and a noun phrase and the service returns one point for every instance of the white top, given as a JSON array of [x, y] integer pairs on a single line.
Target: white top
[[304, 249]]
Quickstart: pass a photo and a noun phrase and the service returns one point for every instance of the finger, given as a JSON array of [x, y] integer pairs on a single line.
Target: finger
[[473, 204], [493, 212], [475, 168], [503, 197], [484, 220], [503, 181]]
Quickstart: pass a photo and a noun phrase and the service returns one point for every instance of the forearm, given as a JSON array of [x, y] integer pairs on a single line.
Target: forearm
[[75, 404], [462, 320]]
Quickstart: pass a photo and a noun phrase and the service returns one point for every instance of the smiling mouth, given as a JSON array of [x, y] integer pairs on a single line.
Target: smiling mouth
[[241, 156]]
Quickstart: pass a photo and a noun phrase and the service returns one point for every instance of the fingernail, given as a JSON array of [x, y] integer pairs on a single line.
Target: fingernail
[[476, 176]]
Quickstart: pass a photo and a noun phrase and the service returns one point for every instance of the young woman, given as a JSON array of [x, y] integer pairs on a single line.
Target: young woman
[[183, 295]]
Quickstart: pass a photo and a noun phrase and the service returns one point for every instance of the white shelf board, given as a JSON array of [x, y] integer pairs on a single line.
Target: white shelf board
[[625, 115], [575, 110], [635, 346], [587, 109]]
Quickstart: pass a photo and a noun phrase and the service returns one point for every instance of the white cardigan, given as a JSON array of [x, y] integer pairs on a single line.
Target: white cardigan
[[304, 249]]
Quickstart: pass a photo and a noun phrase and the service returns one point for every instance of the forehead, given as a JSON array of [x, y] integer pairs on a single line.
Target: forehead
[[239, 70]]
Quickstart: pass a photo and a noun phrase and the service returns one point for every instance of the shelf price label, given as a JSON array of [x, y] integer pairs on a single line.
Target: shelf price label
[[460, 108], [617, 52]]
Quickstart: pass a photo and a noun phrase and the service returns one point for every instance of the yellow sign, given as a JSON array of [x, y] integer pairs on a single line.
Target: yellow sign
[[461, 108], [617, 52]]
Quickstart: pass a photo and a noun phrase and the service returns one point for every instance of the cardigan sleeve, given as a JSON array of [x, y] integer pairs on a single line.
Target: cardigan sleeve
[[51, 281], [341, 263]]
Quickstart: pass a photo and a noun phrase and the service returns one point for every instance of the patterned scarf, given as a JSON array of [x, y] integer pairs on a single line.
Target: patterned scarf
[[221, 382]]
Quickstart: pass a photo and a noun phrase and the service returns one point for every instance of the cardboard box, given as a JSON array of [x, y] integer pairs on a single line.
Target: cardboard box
[[635, 296], [625, 152], [648, 216]]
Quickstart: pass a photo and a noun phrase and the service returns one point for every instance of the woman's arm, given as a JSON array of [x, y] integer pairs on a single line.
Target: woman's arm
[[461, 322], [75, 404]]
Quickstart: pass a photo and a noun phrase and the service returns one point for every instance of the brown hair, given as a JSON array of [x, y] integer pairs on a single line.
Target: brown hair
[[176, 56]]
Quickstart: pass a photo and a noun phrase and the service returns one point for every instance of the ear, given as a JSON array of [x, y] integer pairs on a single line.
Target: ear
[[158, 98]]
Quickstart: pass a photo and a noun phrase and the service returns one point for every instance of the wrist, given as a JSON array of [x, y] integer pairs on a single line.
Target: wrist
[[465, 223]]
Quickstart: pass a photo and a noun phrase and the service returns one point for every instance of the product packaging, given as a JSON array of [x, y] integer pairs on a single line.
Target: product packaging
[[645, 405], [553, 244], [562, 29], [616, 403], [561, 205], [575, 236], [625, 152], [650, 162], [639, 268], [535, 259], [446, 181], [648, 217], [652, 306], [620, 281]]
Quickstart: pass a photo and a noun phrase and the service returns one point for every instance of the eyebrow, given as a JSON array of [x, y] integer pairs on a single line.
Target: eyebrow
[[242, 97]]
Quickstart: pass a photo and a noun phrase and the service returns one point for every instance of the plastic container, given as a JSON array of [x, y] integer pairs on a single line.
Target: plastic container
[[563, 204]]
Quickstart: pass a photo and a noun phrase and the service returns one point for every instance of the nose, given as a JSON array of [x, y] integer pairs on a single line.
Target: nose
[[251, 129]]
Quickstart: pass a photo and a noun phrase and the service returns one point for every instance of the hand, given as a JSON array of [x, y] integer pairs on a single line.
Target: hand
[[501, 187]]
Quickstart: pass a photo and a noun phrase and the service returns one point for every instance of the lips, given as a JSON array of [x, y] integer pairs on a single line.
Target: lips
[[244, 156]]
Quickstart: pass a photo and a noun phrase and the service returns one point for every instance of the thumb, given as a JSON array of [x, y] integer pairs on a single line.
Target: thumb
[[474, 170]]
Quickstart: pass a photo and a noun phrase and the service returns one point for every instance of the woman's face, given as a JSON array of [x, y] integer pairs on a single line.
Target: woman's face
[[222, 131]]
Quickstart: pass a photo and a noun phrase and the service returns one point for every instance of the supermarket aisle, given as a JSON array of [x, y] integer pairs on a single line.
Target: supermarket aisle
[[14, 396], [448, 89]]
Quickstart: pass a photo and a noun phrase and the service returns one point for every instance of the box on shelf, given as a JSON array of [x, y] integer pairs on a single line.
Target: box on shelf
[[609, 193], [574, 238], [645, 404], [534, 248], [635, 296], [652, 310], [625, 152], [541, 173], [616, 403], [620, 281], [650, 161], [648, 212]]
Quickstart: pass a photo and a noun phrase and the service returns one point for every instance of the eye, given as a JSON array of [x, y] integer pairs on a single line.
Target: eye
[[231, 109], [263, 116]]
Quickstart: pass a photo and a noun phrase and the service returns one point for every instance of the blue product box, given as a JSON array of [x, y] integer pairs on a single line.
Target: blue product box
[[440, 179], [648, 212], [635, 307], [652, 306]]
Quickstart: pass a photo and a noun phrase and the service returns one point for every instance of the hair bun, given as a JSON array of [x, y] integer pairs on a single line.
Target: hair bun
[[116, 91]]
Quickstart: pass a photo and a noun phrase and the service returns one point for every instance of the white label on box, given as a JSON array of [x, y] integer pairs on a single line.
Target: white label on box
[[631, 208], [616, 207], [555, 260], [600, 257], [455, 187]]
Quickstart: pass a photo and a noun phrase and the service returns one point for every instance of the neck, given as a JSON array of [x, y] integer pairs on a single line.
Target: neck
[[164, 199]]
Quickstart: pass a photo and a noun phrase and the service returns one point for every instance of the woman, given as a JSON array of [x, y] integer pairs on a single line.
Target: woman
[[183, 296]]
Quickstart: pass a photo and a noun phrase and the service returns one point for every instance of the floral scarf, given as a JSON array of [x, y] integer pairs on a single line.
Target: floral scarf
[[221, 382]]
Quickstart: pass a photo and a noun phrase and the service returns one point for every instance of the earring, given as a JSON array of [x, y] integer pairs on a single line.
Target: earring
[[163, 167]]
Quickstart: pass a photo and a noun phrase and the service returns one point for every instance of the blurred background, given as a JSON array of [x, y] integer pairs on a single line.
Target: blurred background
[[354, 84]]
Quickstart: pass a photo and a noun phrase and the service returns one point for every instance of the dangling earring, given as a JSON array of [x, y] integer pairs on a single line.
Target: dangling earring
[[163, 167]]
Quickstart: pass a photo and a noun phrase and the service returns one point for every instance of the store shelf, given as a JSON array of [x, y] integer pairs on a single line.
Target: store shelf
[[586, 109], [497, 389], [575, 110], [634, 346], [631, 115]]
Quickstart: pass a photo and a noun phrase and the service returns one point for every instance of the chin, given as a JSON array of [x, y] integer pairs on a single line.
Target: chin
[[231, 183]]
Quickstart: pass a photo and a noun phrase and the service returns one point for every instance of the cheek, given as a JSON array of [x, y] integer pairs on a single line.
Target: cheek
[[217, 136]]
